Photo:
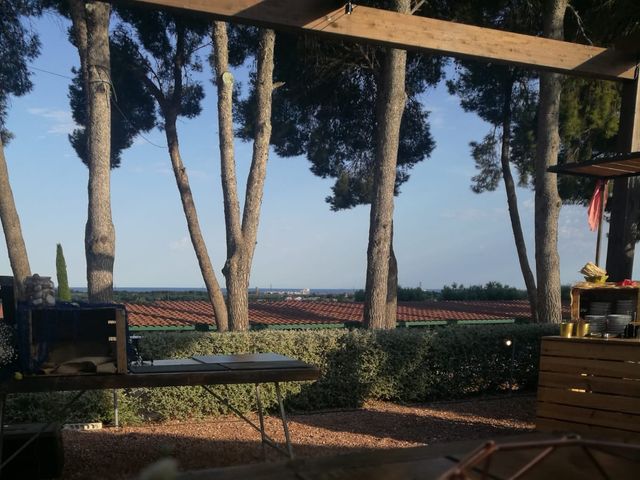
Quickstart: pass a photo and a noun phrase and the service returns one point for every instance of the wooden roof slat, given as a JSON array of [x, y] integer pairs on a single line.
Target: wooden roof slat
[[622, 165], [410, 32]]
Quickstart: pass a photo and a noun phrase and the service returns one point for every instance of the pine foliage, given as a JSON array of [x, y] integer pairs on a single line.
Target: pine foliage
[[64, 293]]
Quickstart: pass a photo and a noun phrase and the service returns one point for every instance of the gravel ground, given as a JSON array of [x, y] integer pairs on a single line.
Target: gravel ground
[[121, 453]]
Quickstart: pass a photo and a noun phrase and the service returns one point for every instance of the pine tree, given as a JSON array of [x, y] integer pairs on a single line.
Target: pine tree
[[64, 293], [18, 46]]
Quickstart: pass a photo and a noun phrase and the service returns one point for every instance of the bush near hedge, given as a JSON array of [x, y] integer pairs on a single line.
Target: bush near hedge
[[404, 365]]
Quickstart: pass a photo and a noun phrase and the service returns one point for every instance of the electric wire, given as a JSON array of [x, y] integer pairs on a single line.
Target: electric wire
[[115, 103]]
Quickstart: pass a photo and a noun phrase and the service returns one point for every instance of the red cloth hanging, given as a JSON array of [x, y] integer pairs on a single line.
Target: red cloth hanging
[[596, 205]]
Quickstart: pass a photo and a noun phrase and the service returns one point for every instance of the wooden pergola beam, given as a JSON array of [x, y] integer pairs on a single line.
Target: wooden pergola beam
[[383, 27]]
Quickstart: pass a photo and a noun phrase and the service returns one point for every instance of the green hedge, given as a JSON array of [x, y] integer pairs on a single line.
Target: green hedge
[[404, 365]]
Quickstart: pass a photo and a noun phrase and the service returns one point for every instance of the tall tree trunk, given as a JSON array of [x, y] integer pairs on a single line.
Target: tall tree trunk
[[625, 204], [12, 231], [392, 288], [390, 104], [547, 207], [625, 208], [188, 206], [78, 18], [241, 236], [512, 201], [99, 231]]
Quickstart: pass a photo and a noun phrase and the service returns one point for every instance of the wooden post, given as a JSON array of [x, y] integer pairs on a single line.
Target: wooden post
[[605, 190], [625, 203], [121, 341]]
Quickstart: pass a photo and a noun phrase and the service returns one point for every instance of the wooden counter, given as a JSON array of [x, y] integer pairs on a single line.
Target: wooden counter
[[590, 386]]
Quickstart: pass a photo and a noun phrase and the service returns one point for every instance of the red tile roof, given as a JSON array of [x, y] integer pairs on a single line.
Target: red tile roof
[[191, 313]]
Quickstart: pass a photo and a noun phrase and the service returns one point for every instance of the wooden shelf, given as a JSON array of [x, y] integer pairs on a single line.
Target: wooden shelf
[[584, 293]]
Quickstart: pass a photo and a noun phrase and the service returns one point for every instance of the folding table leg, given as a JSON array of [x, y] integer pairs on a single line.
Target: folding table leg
[[116, 416], [284, 421], [261, 416], [267, 440]]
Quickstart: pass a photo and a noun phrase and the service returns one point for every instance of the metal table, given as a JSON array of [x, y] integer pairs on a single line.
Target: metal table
[[204, 371]]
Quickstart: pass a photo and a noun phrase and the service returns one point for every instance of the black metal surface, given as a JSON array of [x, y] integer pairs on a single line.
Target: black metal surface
[[295, 371], [175, 368]]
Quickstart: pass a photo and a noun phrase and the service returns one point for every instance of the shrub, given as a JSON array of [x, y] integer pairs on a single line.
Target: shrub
[[64, 293], [404, 295], [7, 349], [490, 291], [404, 365]]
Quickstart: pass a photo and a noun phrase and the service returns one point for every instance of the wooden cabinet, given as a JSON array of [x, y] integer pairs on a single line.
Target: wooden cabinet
[[590, 386], [583, 294], [59, 339]]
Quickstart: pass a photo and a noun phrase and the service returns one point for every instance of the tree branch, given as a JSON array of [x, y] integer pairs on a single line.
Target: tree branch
[[580, 24]]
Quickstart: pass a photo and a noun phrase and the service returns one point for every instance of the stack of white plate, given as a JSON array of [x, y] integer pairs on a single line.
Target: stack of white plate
[[597, 323], [617, 323], [625, 306], [599, 308]]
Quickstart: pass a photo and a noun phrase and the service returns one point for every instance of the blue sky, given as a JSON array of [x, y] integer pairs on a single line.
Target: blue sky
[[444, 233]]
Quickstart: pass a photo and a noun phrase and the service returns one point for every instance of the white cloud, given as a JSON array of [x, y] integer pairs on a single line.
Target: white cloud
[[138, 141], [158, 168], [436, 116], [198, 174], [180, 244], [60, 121], [573, 227], [466, 172], [470, 214]]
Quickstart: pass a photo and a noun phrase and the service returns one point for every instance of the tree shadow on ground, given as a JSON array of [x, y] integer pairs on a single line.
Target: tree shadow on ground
[[521, 406], [419, 428], [124, 456]]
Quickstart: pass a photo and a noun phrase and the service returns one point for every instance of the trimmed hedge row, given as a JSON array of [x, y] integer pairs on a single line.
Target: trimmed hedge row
[[404, 365]]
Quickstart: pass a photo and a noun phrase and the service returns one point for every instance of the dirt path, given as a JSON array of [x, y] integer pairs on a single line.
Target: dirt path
[[120, 454]]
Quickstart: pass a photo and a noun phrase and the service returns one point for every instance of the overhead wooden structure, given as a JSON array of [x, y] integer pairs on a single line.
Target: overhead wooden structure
[[609, 167], [331, 19], [328, 18]]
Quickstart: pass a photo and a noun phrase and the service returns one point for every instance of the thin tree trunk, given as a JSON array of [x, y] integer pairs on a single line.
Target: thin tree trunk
[[512, 201], [77, 11], [188, 206], [99, 231], [547, 200], [225, 134], [16, 248], [389, 109], [241, 237]]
